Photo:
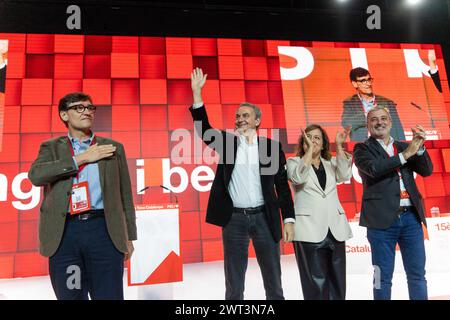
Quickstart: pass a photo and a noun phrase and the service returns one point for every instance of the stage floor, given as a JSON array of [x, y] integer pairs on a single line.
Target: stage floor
[[205, 281]]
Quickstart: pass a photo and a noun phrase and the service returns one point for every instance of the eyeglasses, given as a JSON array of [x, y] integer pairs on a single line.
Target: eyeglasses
[[80, 108], [365, 81]]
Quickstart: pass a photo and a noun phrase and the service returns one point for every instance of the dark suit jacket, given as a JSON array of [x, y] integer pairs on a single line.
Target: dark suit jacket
[[353, 115], [54, 169], [220, 204], [436, 80], [381, 183], [2, 79]]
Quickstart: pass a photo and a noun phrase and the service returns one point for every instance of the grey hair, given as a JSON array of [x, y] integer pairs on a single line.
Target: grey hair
[[377, 108], [258, 113]]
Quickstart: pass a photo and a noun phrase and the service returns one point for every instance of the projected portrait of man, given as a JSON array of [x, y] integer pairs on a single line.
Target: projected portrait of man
[[358, 106]]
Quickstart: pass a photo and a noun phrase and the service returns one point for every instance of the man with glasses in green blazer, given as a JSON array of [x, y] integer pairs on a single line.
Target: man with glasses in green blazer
[[357, 106], [87, 220]]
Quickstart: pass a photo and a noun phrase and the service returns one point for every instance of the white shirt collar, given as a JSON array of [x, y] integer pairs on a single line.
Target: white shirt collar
[[85, 141], [371, 101], [243, 139], [391, 141]]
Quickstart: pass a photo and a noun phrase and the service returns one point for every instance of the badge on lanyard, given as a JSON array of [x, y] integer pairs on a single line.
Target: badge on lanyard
[[404, 194], [79, 201]]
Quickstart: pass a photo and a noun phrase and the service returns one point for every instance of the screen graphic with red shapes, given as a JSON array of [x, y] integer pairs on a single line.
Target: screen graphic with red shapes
[[141, 87]]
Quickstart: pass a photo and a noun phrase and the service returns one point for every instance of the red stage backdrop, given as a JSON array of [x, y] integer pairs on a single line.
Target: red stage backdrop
[[141, 86]]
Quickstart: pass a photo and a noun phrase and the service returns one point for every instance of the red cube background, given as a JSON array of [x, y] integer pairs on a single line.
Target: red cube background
[[142, 88]]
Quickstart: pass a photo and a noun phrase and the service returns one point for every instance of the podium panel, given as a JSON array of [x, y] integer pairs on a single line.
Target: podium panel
[[156, 258]]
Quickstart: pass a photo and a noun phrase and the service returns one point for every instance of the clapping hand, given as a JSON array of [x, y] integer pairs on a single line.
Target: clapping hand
[[419, 137], [341, 136], [419, 133], [307, 140]]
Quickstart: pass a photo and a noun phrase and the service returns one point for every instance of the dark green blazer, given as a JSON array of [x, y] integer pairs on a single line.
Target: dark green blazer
[[54, 169]]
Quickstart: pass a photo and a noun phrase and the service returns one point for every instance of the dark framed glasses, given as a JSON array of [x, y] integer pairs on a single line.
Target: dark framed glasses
[[365, 81], [80, 108]]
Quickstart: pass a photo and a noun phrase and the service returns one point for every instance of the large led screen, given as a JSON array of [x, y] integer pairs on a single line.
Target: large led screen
[[141, 86]]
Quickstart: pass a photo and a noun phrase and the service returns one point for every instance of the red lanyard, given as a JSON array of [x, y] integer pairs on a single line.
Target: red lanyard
[[81, 167], [395, 153], [403, 192], [395, 149]]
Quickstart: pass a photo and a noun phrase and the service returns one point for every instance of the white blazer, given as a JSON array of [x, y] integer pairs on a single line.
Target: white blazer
[[316, 210]]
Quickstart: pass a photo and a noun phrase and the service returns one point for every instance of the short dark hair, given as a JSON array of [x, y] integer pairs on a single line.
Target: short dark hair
[[325, 152], [358, 72], [71, 98]]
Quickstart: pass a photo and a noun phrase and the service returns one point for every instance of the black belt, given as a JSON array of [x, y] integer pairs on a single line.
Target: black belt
[[255, 210], [403, 209], [91, 214]]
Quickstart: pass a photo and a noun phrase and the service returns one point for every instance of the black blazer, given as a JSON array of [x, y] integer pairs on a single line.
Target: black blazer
[[354, 115], [220, 204], [381, 183], [436, 80], [2, 79]]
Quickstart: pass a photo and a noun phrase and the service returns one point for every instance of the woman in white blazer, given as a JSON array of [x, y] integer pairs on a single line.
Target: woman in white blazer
[[321, 226]]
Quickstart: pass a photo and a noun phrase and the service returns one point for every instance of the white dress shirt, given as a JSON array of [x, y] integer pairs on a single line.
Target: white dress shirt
[[245, 185]]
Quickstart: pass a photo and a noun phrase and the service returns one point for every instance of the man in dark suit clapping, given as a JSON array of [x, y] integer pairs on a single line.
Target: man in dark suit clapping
[[392, 208]]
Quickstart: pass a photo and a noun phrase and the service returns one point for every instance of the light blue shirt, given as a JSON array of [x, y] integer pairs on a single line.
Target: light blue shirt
[[90, 172], [367, 105]]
